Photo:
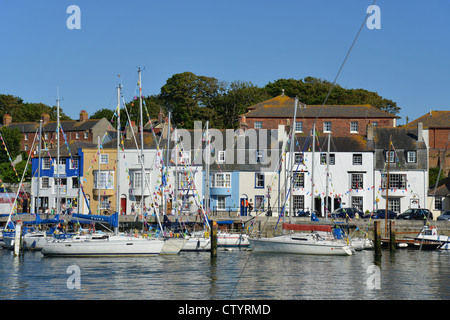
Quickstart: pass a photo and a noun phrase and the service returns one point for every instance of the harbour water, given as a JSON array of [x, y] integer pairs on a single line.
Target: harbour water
[[235, 275]]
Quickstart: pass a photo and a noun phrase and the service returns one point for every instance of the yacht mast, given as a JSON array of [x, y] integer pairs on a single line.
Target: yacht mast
[[312, 166], [58, 182], [291, 164], [167, 163], [117, 157], [39, 169], [327, 205], [207, 177], [142, 142]]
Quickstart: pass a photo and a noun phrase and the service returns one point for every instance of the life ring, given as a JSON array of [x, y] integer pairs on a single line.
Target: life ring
[[206, 235]]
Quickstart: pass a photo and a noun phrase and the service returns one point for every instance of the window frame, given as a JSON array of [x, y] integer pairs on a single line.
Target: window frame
[[352, 126], [357, 181], [411, 152], [259, 179], [221, 203], [355, 157]]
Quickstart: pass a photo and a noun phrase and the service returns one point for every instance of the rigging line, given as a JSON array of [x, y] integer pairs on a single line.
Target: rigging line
[[343, 63]]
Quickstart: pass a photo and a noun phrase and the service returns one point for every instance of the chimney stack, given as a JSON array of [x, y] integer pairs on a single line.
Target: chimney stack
[[83, 115], [370, 132], [160, 115], [129, 133], [420, 132], [7, 119], [243, 125], [45, 117]]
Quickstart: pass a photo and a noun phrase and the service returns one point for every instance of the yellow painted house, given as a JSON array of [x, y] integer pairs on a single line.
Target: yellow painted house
[[99, 174]]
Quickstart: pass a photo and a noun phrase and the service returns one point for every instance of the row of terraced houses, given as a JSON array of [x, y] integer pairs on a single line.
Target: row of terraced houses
[[247, 165]]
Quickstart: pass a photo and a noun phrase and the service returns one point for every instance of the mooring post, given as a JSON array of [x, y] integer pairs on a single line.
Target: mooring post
[[214, 239], [377, 238], [392, 244], [18, 238]]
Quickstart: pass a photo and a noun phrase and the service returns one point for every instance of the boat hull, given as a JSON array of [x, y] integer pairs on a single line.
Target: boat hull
[[173, 245], [230, 240], [113, 246], [197, 244], [34, 241], [287, 244], [443, 241]]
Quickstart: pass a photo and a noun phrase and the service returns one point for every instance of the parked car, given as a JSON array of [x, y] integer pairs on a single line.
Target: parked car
[[302, 213], [380, 213], [416, 214], [343, 212], [445, 216]]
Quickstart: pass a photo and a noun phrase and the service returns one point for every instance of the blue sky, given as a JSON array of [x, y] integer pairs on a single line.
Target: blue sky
[[407, 60]]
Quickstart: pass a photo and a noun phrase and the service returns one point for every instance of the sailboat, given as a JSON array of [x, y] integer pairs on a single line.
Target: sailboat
[[172, 245], [318, 241], [105, 244], [305, 239]]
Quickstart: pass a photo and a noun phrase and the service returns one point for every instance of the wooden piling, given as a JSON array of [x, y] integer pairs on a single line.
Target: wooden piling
[[392, 244], [214, 239], [17, 238], [377, 238]]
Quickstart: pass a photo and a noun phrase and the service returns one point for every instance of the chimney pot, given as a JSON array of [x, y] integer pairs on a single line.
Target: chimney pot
[[45, 117], [7, 119], [83, 115]]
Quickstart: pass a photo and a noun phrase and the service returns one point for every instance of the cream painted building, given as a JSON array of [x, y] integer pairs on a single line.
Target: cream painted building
[[99, 180]]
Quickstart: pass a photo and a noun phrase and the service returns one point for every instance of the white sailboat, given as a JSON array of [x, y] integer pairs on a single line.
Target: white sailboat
[[318, 241], [105, 244]]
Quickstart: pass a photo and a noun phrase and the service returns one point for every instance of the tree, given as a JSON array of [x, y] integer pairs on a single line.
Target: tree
[[190, 97], [25, 111], [312, 90], [234, 101], [11, 139]]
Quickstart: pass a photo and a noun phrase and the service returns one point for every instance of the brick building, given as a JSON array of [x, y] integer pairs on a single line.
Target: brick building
[[83, 130], [438, 125], [339, 120]]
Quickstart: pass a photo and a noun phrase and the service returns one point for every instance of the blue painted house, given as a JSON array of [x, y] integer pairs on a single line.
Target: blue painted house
[[44, 184]]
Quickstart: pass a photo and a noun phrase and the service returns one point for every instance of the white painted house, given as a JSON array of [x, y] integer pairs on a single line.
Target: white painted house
[[349, 182]]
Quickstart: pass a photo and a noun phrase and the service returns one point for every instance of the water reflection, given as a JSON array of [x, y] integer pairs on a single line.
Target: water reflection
[[232, 275]]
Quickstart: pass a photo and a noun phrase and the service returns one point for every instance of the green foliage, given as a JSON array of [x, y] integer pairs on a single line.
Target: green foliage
[[200, 98], [27, 112], [433, 176], [234, 101], [314, 91], [12, 139], [190, 97]]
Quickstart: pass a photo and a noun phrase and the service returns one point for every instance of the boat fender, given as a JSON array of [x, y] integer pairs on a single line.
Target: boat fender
[[206, 235]]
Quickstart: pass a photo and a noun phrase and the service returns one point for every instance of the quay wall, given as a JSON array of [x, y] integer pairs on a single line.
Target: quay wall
[[270, 226]]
